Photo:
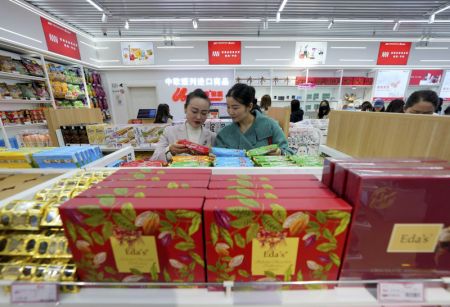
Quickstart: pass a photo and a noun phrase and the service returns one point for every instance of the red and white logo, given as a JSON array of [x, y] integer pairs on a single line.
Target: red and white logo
[[392, 53], [60, 40], [224, 53]]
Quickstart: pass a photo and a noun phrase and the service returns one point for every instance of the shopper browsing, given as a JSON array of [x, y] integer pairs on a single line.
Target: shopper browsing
[[422, 102], [163, 114], [197, 110], [296, 112], [250, 129], [266, 102], [324, 109], [396, 106], [378, 105]]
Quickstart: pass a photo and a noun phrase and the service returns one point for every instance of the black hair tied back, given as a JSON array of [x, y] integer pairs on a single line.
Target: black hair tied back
[[242, 93], [198, 93]]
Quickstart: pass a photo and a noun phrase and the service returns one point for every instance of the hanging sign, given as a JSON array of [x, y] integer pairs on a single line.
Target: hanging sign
[[391, 84], [180, 94], [60, 40], [224, 53], [426, 77], [392, 53], [310, 52], [138, 53]]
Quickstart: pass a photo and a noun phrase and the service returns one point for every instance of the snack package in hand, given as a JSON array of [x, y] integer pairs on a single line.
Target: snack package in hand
[[227, 152], [262, 151], [195, 148]]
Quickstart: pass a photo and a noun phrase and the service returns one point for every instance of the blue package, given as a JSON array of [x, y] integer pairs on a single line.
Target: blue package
[[226, 152]]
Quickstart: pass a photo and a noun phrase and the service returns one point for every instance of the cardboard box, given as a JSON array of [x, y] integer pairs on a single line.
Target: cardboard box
[[134, 239], [263, 240], [273, 194], [272, 185], [185, 184], [137, 192], [11, 184], [342, 169], [400, 226], [263, 178]]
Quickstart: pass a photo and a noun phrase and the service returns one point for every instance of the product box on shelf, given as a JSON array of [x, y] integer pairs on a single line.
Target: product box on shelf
[[272, 194], [149, 184], [263, 178], [342, 169], [134, 239], [400, 225], [266, 240], [164, 171], [67, 157], [20, 158], [271, 185], [142, 191], [117, 176]]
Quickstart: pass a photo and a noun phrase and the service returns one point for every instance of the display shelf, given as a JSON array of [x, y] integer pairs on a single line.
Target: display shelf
[[19, 101], [358, 86], [126, 152], [333, 152], [34, 125], [9, 75]]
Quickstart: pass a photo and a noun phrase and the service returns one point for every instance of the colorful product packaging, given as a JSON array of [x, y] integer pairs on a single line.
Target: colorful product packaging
[[159, 171], [196, 149], [134, 239], [271, 185], [233, 162], [119, 175], [262, 151], [226, 152], [139, 192], [149, 184], [273, 194], [264, 178], [400, 225], [266, 240]]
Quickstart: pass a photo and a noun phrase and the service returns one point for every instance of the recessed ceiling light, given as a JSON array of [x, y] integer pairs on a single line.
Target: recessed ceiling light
[[94, 4]]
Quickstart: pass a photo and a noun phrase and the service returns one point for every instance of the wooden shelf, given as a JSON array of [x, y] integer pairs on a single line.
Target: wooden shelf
[[9, 75]]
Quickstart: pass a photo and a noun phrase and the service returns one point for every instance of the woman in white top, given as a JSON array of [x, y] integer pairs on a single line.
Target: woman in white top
[[197, 110]]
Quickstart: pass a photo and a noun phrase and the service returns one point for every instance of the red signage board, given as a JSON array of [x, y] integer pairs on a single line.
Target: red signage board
[[392, 53], [224, 53], [426, 77], [180, 94], [60, 40]]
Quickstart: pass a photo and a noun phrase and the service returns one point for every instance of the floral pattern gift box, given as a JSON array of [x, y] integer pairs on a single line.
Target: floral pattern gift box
[[275, 239], [136, 239]]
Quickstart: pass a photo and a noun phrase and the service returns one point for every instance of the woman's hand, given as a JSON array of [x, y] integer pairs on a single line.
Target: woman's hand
[[276, 152], [176, 149]]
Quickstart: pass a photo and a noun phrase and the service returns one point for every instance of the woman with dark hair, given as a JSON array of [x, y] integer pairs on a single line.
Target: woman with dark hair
[[396, 106], [366, 106], [266, 102], [324, 109], [249, 129], [378, 105], [197, 110], [296, 112], [422, 102], [163, 114]]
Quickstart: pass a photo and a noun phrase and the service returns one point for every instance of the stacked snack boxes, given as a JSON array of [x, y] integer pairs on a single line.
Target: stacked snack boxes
[[260, 228], [403, 204], [33, 246], [67, 157], [21, 158], [140, 225]]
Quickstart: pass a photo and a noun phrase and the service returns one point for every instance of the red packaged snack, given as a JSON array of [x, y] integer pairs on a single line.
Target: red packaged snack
[[273, 194], [195, 148], [400, 226], [145, 184], [264, 178], [138, 192], [263, 240], [272, 185], [134, 239]]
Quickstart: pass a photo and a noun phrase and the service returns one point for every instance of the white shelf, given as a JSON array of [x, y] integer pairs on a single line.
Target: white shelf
[[8, 75], [19, 101], [360, 86], [26, 126]]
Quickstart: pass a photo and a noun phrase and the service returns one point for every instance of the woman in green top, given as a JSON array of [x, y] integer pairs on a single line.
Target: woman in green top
[[250, 129]]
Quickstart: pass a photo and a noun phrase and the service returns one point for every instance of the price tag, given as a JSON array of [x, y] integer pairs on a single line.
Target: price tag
[[34, 293], [400, 292]]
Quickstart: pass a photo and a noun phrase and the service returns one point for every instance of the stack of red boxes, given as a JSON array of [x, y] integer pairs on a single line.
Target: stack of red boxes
[[139, 225], [273, 227], [401, 217]]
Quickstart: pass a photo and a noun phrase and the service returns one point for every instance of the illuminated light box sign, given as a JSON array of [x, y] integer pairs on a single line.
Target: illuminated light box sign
[[224, 53], [60, 40], [393, 53], [216, 81]]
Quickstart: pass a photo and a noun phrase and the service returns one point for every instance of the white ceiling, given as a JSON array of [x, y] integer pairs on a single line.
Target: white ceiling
[[80, 14]]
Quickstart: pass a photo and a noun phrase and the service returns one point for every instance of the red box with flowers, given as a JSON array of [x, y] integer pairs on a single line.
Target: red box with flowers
[[273, 194], [264, 178], [265, 185], [174, 184]]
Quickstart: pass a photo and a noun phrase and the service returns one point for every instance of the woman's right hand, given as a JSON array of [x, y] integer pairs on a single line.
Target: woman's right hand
[[176, 149]]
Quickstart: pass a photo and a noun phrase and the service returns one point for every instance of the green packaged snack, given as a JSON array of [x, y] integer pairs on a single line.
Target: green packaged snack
[[262, 151], [186, 164], [28, 91]]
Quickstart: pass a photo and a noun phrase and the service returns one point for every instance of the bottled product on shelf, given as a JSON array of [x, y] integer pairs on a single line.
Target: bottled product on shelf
[[96, 92]]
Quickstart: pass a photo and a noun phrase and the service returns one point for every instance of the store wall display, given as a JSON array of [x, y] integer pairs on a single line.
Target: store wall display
[[224, 52], [60, 40], [393, 53], [445, 89], [67, 85], [426, 77], [74, 135], [96, 92], [137, 53], [22, 117], [33, 138], [310, 52], [390, 84]]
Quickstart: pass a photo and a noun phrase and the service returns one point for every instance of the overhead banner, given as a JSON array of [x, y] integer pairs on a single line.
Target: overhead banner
[[445, 90], [426, 77], [392, 53], [391, 84], [60, 40], [137, 53], [310, 52], [224, 53]]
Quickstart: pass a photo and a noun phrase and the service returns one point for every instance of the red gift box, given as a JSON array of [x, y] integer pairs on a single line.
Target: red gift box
[[270, 185], [264, 240], [185, 184], [400, 225], [273, 194], [342, 169], [347, 81], [125, 192], [134, 239], [264, 178], [117, 176], [165, 171]]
